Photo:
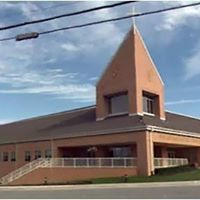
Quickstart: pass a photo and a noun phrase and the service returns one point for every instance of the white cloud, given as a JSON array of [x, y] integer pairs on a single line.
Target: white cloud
[[183, 101], [6, 121], [28, 67], [192, 63], [27, 8], [70, 47], [95, 78], [192, 68], [185, 16], [49, 82], [85, 92], [51, 60]]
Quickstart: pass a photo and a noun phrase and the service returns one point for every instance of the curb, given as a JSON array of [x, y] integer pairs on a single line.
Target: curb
[[104, 186]]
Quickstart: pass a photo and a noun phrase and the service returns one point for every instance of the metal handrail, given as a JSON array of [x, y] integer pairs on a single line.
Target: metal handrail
[[68, 162], [92, 162], [169, 162], [100, 162], [22, 171]]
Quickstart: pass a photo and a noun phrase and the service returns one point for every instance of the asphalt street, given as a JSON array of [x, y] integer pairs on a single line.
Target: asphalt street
[[151, 190]]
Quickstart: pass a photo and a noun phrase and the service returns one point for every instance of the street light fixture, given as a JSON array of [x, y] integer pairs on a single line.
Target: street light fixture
[[27, 36]]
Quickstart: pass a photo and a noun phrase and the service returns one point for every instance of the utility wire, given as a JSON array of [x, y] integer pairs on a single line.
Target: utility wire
[[6, 39], [120, 18], [66, 15], [113, 19]]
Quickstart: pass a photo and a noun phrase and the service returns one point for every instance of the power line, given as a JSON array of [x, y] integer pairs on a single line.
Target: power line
[[120, 18], [66, 15], [6, 39], [112, 20]]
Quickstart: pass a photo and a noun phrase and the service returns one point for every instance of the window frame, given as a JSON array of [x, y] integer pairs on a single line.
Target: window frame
[[48, 153], [27, 156], [109, 100], [5, 157], [38, 154], [13, 156], [120, 151], [149, 103]]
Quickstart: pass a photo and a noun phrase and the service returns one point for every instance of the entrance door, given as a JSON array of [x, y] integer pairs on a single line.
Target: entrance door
[[171, 154]]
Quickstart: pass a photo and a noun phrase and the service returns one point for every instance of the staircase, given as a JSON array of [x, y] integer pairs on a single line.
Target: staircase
[[68, 163], [41, 162]]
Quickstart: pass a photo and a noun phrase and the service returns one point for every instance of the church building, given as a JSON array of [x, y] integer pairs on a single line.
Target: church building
[[127, 132]]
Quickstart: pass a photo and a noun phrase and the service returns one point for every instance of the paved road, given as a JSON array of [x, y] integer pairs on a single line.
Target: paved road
[[151, 190]]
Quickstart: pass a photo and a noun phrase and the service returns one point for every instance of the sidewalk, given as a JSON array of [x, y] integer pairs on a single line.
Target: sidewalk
[[103, 186]]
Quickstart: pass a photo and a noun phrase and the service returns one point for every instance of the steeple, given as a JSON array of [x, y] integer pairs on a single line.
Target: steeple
[[130, 78]]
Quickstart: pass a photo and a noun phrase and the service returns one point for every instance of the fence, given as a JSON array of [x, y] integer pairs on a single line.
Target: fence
[[91, 162], [169, 162]]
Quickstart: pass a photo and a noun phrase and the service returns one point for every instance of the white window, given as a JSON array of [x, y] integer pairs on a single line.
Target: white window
[[121, 151], [27, 156], [48, 153], [37, 154], [148, 104], [171, 154], [5, 156], [12, 156]]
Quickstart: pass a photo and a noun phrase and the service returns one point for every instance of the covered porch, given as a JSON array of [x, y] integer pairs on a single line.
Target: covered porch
[[150, 150], [123, 155], [168, 155], [95, 151], [171, 154]]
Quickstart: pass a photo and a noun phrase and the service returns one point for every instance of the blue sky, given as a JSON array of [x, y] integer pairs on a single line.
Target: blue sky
[[57, 72]]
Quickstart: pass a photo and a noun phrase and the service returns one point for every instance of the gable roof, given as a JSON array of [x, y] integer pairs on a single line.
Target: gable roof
[[82, 122], [130, 37]]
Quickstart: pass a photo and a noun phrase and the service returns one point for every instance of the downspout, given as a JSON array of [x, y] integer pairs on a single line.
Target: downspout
[[151, 145], [52, 148], [16, 155]]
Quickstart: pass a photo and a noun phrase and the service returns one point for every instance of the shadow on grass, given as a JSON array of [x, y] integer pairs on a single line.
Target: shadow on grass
[[184, 173]]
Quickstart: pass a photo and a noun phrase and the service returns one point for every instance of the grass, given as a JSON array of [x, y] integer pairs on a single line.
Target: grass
[[171, 174], [184, 173]]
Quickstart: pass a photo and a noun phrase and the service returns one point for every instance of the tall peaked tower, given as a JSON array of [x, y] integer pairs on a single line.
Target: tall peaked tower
[[131, 83]]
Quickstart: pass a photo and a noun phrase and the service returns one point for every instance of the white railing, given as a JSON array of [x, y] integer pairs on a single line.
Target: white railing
[[169, 162], [70, 163], [27, 168], [91, 162]]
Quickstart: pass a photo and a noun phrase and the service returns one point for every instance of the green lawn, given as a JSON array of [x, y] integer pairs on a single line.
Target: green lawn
[[170, 174], [184, 173]]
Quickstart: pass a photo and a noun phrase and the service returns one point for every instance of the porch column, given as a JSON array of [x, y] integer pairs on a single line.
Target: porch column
[[145, 155], [164, 152], [198, 155], [100, 152]]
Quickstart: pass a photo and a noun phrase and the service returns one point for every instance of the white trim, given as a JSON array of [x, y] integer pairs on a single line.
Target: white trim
[[181, 114], [136, 29], [119, 130], [149, 114], [163, 118], [172, 131], [117, 114], [100, 118], [135, 114]]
